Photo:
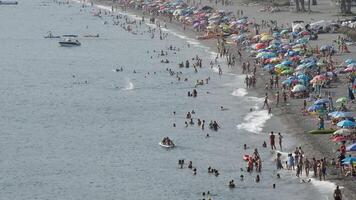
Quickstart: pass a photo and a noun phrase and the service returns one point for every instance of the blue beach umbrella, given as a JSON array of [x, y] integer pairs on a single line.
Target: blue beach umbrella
[[348, 160], [346, 124], [321, 101], [350, 60], [286, 62], [314, 108], [351, 147], [338, 114]]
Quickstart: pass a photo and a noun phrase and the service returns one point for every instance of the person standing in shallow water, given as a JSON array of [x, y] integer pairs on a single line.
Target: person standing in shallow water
[[337, 194], [280, 137], [272, 141]]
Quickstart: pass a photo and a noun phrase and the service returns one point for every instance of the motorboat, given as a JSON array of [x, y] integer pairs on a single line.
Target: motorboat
[[8, 2], [69, 43]]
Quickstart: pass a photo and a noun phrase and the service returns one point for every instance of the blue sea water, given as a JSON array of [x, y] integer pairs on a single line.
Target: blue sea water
[[74, 128]]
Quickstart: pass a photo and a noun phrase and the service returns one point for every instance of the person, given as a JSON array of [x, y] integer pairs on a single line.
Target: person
[[231, 184], [190, 166], [337, 193], [280, 137], [265, 102], [257, 179], [264, 144], [272, 140], [321, 123], [306, 166]]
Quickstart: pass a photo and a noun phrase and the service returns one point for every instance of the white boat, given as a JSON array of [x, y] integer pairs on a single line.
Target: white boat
[[69, 43], [8, 2], [165, 145]]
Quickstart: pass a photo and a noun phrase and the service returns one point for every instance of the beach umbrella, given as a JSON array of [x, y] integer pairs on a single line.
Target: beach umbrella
[[299, 88], [265, 55], [286, 62], [266, 38], [268, 67], [348, 160], [338, 139], [284, 31], [352, 64], [303, 77], [302, 40], [259, 46], [314, 108], [287, 71], [303, 33], [351, 147], [346, 124], [350, 60], [349, 69], [342, 132], [321, 101], [339, 114], [341, 100]]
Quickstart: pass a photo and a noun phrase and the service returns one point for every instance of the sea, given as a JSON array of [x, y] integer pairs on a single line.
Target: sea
[[73, 127]]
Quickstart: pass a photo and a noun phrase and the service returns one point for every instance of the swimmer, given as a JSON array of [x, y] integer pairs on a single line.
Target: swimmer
[[190, 166], [231, 184], [245, 146], [264, 144], [222, 108], [257, 179], [278, 176], [274, 186], [207, 135]]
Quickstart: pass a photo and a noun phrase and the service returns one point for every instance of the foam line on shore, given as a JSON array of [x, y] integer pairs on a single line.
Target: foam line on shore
[[254, 121], [239, 92]]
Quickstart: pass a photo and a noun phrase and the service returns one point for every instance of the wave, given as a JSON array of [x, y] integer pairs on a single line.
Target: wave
[[239, 92], [129, 86], [255, 121]]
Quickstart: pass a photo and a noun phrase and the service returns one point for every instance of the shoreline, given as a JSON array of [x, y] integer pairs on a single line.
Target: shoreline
[[288, 117]]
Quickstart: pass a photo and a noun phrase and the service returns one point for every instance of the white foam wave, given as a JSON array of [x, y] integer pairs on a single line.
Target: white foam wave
[[129, 86], [239, 92], [255, 121]]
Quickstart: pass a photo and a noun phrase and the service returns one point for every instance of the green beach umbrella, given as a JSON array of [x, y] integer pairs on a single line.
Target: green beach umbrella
[[341, 100]]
